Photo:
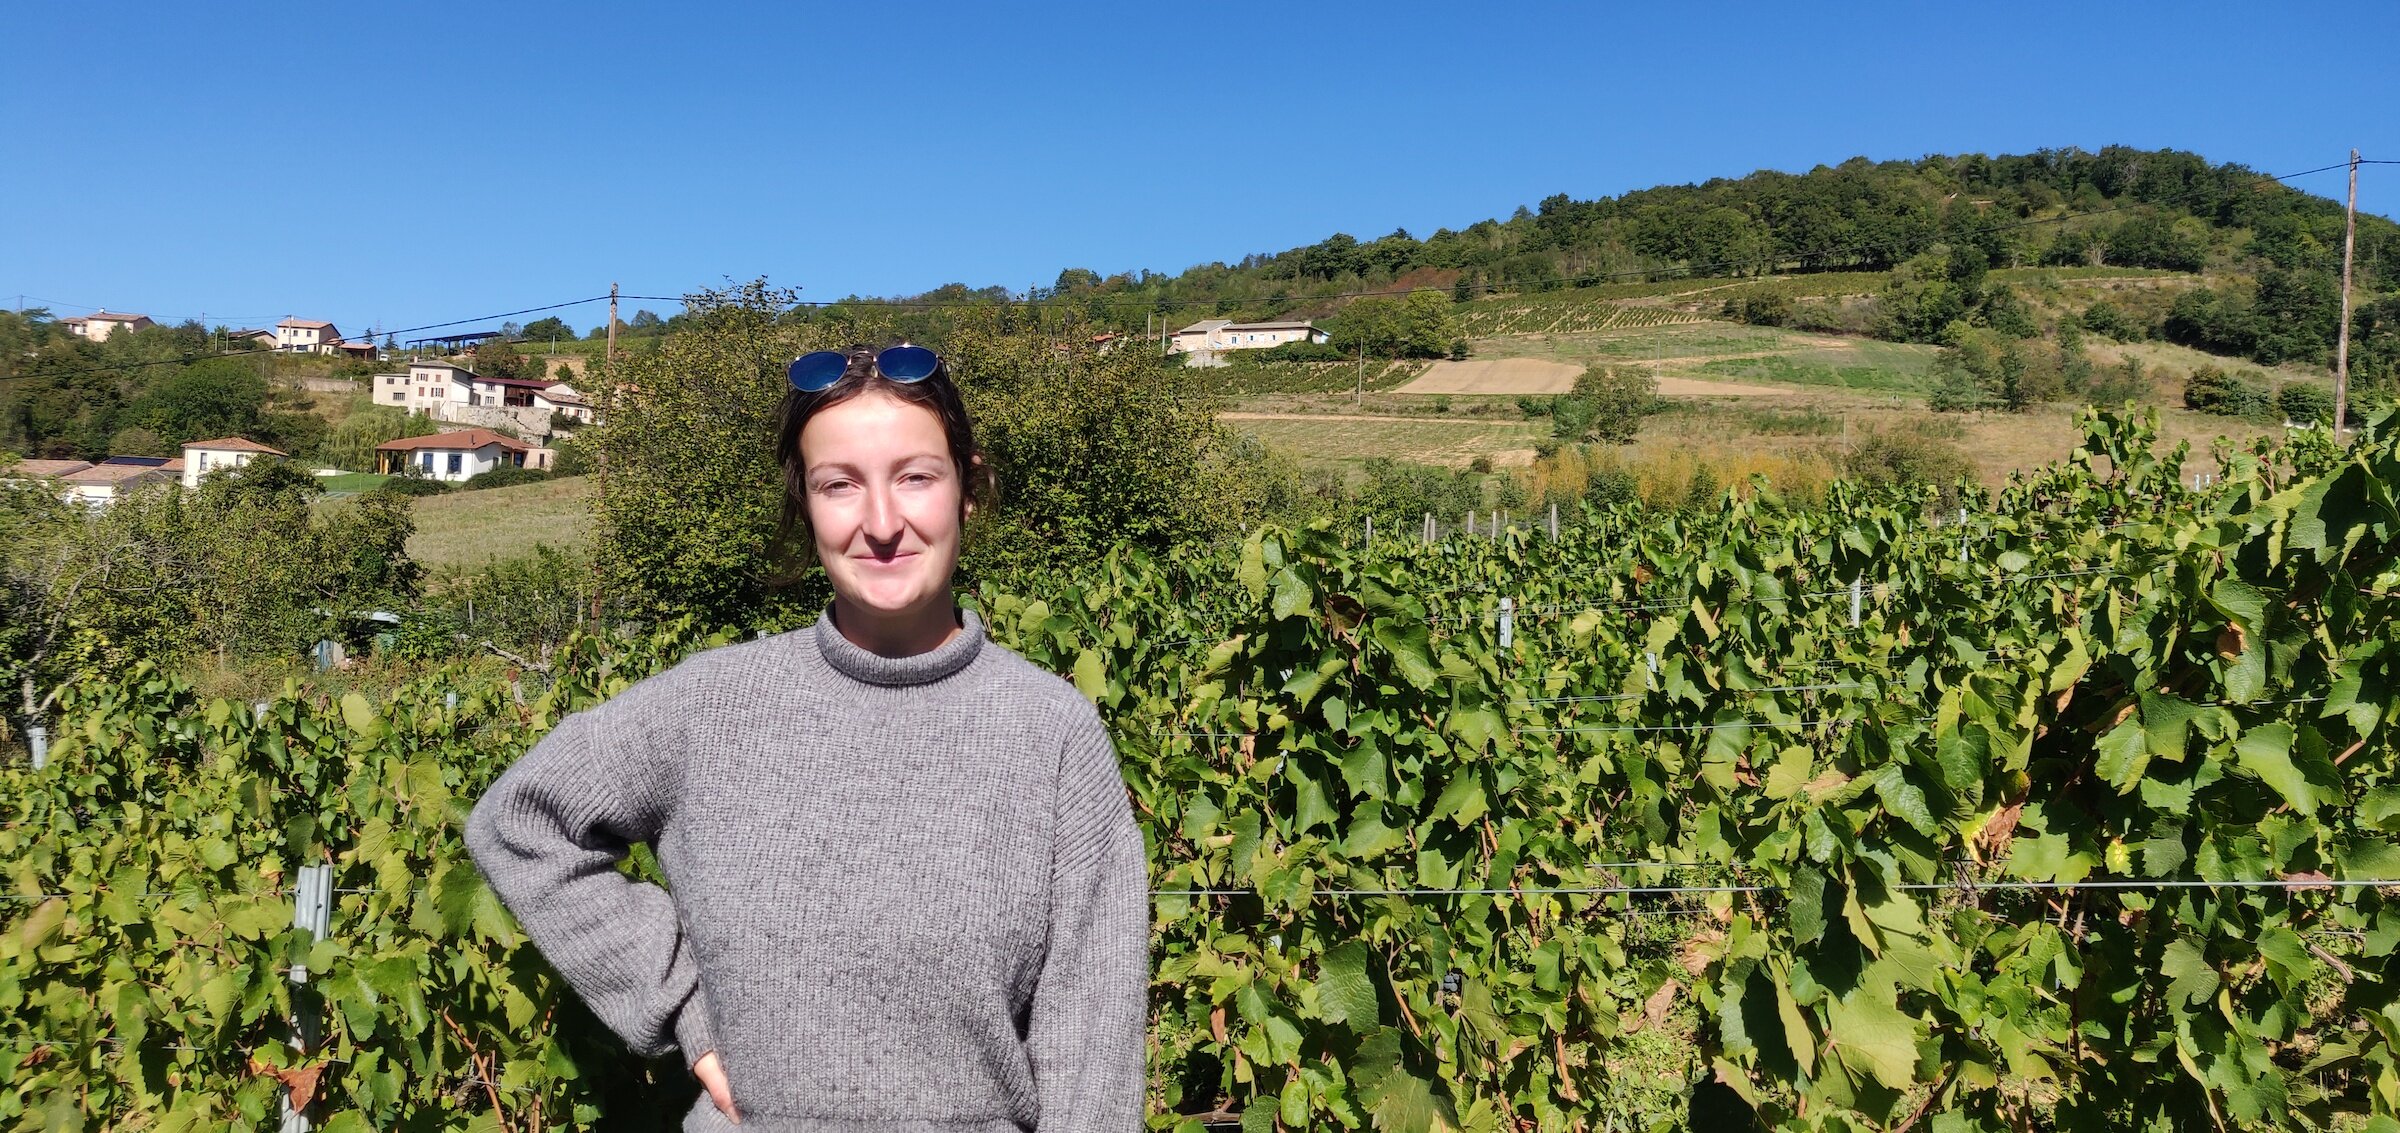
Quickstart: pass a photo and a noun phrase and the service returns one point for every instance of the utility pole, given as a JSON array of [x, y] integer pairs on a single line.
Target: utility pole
[[2341, 350], [1359, 393], [612, 326]]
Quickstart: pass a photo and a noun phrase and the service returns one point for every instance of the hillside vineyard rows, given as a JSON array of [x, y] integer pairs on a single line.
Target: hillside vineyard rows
[[2077, 814]]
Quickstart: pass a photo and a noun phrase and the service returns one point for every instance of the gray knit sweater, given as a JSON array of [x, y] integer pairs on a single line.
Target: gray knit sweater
[[907, 893]]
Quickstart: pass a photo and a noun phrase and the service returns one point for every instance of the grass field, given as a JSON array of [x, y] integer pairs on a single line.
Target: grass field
[[350, 483], [1827, 390], [1340, 439], [1888, 367], [1242, 376], [467, 529]]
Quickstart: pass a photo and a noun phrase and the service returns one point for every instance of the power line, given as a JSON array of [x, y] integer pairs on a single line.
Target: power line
[[205, 356]]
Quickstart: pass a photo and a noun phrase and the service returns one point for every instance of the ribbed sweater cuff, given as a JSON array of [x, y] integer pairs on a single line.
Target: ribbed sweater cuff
[[693, 1034]]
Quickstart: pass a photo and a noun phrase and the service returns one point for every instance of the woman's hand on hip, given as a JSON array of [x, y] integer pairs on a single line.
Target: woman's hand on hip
[[712, 1077]]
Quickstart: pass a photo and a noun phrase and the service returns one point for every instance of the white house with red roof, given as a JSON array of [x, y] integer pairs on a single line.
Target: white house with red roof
[[203, 457], [454, 456], [307, 336]]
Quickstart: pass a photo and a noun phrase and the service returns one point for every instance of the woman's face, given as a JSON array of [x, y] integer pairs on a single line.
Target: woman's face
[[883, 502]]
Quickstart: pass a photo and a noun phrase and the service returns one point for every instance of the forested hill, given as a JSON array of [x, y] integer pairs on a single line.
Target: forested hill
[[2116, 207]]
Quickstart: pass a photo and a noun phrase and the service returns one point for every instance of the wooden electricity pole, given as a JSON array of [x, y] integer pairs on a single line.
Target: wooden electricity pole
[[612, 325], [597, 595], [2341, 349]]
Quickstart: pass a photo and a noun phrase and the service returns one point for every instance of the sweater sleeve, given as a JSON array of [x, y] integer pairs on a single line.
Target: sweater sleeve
[[1086, 1036], [548, 836]]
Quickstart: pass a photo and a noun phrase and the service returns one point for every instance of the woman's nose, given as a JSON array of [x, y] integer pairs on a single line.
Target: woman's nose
[[883, 515]]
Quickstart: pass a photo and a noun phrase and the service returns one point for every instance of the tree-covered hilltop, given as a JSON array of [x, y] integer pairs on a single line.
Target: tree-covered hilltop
[[2119, 206], [2262, 258]]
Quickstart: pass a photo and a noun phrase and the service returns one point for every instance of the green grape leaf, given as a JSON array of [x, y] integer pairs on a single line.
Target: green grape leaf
[[1345, 993], [2266, 751], [1873, 1037]]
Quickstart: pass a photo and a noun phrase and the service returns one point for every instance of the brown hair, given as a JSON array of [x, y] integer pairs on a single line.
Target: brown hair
[[936, 392]]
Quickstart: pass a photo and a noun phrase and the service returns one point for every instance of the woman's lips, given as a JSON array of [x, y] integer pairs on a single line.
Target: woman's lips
[[900, 559]]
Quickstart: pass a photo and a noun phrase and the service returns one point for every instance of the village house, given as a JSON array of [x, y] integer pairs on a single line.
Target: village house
[[307, 336], [425, 388], [559, 397], [448, 392], [1207, 337], [115, 478], [99, 325], [457, 456], [203, 457], [29, 472], [250, 338]]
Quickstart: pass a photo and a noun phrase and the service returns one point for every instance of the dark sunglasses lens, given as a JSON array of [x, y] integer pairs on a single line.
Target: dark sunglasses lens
[[813, 372], [908, 363]]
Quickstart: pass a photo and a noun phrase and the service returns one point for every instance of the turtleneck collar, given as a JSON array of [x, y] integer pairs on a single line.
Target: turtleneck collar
[[848, 659]]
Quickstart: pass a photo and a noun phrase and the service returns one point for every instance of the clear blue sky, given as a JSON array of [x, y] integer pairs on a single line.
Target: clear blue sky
[[411, 163]]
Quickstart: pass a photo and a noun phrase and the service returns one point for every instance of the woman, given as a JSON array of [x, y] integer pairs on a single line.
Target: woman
[[907, 889]]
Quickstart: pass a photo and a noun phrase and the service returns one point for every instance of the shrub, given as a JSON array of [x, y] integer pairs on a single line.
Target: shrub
[[2127, 382], [2212, 390], [1301, 351], [1612, 486], [529, 603], [2104, 319], [411, 486], [2305, 404], [1761, 308], [570, 458], [1896, 459], [422, 637], [504, 476], [1955, 390]]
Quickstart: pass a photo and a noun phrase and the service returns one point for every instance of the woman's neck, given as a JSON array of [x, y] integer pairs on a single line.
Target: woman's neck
[[903, 634]]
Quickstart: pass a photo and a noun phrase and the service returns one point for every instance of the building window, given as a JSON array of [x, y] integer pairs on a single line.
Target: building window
[[456, 462], [399, 395]]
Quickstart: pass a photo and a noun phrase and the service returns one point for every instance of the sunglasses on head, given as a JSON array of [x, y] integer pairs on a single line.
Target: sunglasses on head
[[903, 363]]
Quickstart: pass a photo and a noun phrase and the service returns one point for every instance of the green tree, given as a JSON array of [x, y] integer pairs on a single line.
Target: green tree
[[1073, 280], [1089, 449], [245, 566], [498, 358], [351, 444], [1418, 325], [1920, 300], [216, 397], [1607, 405], [1428, 325], [542, 330]]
